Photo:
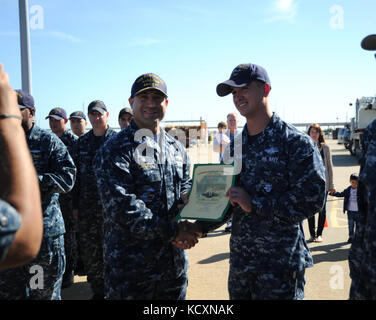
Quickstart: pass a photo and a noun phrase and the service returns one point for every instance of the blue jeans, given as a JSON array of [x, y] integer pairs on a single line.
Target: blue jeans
[[351, 220]]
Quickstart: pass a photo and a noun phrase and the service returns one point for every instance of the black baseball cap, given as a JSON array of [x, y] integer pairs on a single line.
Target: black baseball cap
[[97, 105], [77, 115], [125, 110], [369, 42], [58, 114], [241, 76], [25, 99], [148, 81]]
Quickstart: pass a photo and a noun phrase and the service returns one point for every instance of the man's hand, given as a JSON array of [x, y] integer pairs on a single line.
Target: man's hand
[[241, 197], [188, 235], [331, 191]]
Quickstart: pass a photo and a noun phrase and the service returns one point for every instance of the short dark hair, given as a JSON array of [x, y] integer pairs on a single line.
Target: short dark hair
[[354, 176], [222, 125]]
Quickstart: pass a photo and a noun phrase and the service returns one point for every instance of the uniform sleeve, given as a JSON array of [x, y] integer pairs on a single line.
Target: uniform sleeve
[[76, 188], [186, 182], [10, 222], [62, 173], [306, 193], [368, 174], [116, 187]]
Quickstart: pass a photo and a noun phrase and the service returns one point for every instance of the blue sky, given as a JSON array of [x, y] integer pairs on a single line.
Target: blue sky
[[86, 50]]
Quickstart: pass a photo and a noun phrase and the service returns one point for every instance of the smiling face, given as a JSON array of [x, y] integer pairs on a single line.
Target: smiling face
[[249, 99], [149, 108]]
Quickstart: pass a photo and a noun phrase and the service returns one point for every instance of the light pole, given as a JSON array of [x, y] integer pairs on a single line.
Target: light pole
[[25, 45]]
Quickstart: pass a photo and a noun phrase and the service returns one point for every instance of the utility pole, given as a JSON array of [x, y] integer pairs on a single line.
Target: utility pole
[[25, 45]]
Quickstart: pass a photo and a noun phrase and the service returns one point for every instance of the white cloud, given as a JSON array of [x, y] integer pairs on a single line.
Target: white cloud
[[43, 33], [284, 5], [282, 10], [64, 36]]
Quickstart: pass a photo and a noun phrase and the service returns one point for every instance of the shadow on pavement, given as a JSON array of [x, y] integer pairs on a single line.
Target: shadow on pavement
[[332, 253], [215, 258], [343, 160], [217, 233]]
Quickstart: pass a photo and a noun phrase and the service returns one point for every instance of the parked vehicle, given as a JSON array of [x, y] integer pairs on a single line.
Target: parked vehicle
[[346, 138], [365, 113], [341, 133]]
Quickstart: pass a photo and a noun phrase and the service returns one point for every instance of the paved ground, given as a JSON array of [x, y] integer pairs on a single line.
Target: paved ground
[[209, 260]]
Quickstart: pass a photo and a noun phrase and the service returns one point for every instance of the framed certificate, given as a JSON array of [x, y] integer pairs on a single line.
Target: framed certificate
[[207, 198]]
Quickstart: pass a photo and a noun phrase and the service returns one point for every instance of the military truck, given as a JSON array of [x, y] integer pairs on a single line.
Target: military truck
[[365, 113]]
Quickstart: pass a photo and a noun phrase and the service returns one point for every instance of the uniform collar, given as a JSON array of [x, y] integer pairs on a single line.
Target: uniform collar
[[270, 127], [162, 133]]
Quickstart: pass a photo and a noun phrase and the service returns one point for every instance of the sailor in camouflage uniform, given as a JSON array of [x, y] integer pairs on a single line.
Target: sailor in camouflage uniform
[[90, 211], [57, 121], [362, 254], [368, 178], [281, 183], [10, 222], [142, 174], [42, 277]]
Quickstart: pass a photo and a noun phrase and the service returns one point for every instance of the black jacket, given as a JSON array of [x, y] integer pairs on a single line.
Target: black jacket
[[346, 194]]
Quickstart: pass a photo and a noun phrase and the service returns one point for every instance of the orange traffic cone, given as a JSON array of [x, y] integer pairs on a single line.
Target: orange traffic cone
[[326, 224]]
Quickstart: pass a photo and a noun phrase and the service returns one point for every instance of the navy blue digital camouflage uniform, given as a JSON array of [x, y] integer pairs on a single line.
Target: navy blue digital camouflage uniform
[[56, 174], [362, 255], [140, 182], [10, 222], [90, 211], [283, 172], [66, 204]]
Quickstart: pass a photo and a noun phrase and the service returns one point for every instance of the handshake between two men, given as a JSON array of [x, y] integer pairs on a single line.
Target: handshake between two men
[[188, 232], [188, 235]]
